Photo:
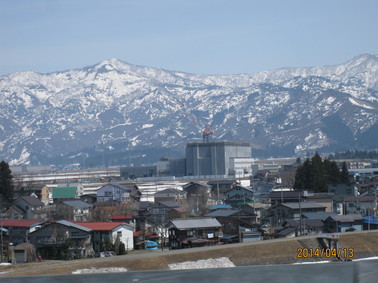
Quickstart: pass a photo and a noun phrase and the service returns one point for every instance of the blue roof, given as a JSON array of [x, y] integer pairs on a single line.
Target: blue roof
[[370, 219]]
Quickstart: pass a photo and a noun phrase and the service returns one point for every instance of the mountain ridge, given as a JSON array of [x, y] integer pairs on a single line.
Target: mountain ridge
[[115, 107]]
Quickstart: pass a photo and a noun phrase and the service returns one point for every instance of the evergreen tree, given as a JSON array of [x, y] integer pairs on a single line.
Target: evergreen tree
[[327, 169], [319, 182], [316, 174], [344, 176], [332, 171], [6, 183], [303, 176]]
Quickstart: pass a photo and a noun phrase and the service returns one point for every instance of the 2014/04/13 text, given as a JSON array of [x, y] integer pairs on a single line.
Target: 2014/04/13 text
[[327, 253]]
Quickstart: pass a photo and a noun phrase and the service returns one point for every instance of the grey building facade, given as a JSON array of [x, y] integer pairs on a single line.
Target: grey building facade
[[214, 158]]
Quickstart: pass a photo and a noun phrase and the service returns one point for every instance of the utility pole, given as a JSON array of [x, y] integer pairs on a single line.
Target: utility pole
[[2, 232], [300, 214], [218, 193]]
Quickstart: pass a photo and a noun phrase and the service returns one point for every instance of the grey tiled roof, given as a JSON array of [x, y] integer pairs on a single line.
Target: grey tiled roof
[[222, 213], [306, 204], [346, 218], [71, 224], [318, 215], [286, 231], [195, 223], [170, 191], [77, 204], [33, 201], [167, 203]]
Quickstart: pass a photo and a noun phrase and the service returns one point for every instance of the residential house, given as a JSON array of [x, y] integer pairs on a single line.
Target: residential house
[[198, 195], [262, 190], [193, 232], [219, 187], [255, 208], [179, 212], [343, 189], [135, 194], [18, 229], [292, 210], [365, 205], [60, 194], [259, 176], [125, 218], [113, 232], [76, 210], [143, 213], [237, 225], [194, 188], [114, 192], [287, 232], [25, 207], [238, 196], [282, 196], [321, 198], [158, 212], [46, 195], [79, 187], [89, 198], [370, 223], [344, 223], [51, 240], [220, 206], [302, 227], [170, 194], [317, 215]]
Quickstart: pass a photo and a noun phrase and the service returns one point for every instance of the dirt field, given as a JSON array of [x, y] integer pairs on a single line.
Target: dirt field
[[281, 251]]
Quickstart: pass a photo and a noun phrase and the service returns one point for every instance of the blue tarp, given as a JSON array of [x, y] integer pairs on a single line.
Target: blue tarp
[[151, 245], [370, 219]]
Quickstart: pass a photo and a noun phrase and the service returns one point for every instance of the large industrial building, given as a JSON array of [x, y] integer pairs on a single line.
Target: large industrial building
[[218, 158]]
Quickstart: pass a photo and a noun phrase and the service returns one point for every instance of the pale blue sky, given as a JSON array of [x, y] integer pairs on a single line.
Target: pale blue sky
[[196, 36]]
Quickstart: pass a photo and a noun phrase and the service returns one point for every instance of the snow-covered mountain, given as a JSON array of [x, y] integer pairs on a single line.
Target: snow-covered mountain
[[126, 114]]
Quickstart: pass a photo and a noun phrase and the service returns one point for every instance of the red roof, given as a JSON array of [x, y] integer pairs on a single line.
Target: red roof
[[138, 233], [100, 226], [18, 222]]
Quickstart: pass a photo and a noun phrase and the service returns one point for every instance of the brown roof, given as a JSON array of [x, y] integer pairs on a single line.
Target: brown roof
[[360, 198], [346, 218], [18, 222], [123, 217]]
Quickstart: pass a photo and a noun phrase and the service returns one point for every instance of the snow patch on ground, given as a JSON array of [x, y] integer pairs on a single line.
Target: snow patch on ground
[[99, 270], [203, 263]]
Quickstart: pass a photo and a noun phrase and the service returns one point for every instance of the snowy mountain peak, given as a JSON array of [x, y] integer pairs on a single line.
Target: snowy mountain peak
[[124, 110]]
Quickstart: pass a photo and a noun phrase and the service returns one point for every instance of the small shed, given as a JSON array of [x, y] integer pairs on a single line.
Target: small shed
[[25, 252]]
